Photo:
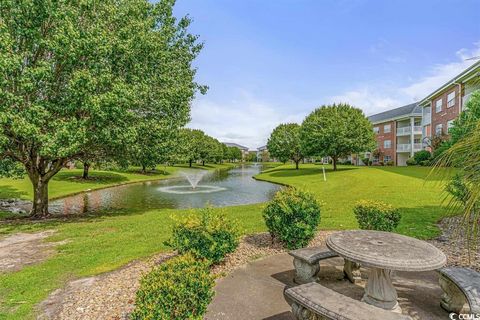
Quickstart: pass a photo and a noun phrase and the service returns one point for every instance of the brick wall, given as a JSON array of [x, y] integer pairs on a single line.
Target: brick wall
[[381, 136], [446, 114]]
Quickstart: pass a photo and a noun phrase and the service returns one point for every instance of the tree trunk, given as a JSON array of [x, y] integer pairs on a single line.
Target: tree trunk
[[203, 162], [334, 160], [86, 167], [144, 169], [190, 163], [40, 198], [296, 164]]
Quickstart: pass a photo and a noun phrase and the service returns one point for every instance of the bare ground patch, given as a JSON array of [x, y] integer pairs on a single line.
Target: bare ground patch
[[23, 249]]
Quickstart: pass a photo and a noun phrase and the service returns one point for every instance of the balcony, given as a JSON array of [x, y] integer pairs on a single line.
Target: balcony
[[404, 147], [403, 131], [417, 147], [407, 147]]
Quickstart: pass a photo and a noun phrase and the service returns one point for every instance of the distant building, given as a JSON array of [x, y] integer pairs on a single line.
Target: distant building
[[262, 154], [443, 106], [398, 133], [236, 145]]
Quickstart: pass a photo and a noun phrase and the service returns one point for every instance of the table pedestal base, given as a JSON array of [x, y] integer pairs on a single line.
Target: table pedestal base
[[380, 292]]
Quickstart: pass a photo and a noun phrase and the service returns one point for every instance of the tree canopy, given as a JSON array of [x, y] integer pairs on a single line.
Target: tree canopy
[[336, 131], [81, 75], [468, 119], [284, 143]]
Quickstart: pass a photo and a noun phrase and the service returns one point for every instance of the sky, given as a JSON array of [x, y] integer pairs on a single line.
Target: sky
[[268, 62]]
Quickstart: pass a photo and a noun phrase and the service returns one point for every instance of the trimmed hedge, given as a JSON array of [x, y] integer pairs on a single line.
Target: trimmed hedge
[[292, 216], [207, 235], [181, 288], [422, 155], [376, 215], [411, 162]]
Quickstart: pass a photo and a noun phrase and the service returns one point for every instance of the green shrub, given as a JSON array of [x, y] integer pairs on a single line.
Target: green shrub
[[180, 288], [411, 162], [292, 216], [389, 163], [366, 161], [422, 155], [208, 235], [376, 215], [425, 163]]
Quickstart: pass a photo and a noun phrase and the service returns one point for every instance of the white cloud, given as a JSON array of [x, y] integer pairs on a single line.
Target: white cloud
[[376, 98], [441, 73], [248, 120], [245, 120], [367, 99]]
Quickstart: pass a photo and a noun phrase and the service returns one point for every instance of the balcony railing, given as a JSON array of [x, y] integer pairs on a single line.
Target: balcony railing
[[407, 130], [404, 147], [407, 147], [404, 131]]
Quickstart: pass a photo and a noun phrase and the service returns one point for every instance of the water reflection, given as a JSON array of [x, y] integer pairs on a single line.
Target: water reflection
[[235, 187]]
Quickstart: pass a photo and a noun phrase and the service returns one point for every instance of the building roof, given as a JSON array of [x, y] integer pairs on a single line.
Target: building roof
[[473, 70], [236, 145], [413, 109], [262, 148]]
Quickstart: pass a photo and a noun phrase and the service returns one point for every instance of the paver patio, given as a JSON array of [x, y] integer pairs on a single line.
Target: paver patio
[[255, 291]]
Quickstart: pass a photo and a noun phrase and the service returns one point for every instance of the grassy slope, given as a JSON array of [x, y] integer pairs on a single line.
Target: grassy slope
[[419, 200], [100, 244]]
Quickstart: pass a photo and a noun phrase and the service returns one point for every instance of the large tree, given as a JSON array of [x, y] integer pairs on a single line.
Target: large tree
[[233, 154], [336, 131], [77, 74], [193, 140], [284, 143]]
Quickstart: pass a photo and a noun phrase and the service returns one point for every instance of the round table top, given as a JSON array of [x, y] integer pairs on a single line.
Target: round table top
[[386, 250]]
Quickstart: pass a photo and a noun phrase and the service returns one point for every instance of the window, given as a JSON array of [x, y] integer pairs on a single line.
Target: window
[[376, 129], [451, 99], [387, 128], [418, 122], [387, 144], [438, 105], [417, 140], [439, 129], [387, 158], [449, 125]]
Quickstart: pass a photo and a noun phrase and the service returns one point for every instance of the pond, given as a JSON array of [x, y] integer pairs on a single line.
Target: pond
[[217, 188]]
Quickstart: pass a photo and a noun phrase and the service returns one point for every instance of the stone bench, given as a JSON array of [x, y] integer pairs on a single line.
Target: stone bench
[[461, 288], [313, 301], [306, 263]]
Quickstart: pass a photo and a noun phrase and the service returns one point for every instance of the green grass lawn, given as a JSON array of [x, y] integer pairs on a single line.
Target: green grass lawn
[[98, 244], [419, 199]]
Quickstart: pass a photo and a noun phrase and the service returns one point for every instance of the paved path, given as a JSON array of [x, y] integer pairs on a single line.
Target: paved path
[[255, 291]]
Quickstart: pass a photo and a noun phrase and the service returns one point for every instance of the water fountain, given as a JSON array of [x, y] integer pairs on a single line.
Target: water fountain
[[193, 178]]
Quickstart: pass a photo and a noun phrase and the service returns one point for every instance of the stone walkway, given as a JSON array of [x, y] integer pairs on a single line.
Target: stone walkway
[[255, 291]]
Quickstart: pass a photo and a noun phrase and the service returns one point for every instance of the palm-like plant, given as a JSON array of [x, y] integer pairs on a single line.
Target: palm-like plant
[[465, 187]]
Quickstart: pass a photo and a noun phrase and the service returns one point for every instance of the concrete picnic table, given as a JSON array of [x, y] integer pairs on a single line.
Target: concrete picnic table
[[384, 252]]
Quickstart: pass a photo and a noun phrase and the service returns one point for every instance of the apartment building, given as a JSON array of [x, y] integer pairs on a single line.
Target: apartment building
[[243, 149], [398, 133], [442, 107]]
